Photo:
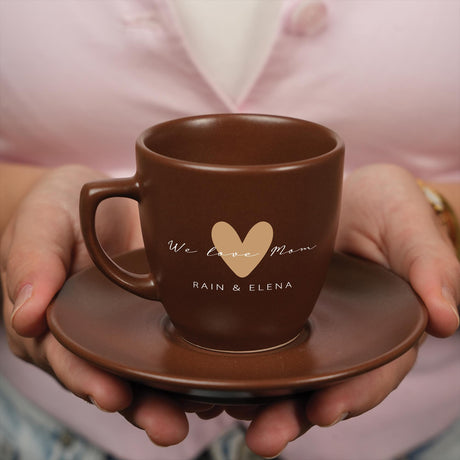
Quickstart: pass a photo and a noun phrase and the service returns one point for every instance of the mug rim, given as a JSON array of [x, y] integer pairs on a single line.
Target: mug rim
[[171, 161]]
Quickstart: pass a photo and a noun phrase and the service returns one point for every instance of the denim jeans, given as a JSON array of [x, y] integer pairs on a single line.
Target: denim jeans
[[27, 433], [446, 446]]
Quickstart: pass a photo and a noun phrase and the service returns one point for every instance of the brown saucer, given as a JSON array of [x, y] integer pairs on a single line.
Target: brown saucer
[[365, 317]]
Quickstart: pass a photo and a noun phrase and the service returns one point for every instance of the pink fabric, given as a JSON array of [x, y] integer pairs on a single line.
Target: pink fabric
[[80, 79]]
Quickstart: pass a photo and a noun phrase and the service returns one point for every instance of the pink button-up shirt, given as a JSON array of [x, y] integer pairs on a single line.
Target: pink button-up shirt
[[80, 79]]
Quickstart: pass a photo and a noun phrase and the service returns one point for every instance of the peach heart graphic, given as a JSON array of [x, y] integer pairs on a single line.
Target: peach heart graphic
[[242, 257]]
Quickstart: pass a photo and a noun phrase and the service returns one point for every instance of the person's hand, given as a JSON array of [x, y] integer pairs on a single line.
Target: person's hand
[[41, 246], [385, 218]]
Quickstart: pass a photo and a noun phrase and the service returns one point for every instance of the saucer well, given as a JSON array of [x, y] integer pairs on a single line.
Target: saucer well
[[366, 316]]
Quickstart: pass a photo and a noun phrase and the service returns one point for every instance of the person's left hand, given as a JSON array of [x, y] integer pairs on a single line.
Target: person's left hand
[[386, 219]]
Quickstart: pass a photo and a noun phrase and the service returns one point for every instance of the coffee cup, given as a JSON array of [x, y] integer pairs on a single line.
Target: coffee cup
[[239, 214]]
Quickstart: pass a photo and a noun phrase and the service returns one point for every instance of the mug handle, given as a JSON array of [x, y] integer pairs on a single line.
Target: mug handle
[[92, 194]]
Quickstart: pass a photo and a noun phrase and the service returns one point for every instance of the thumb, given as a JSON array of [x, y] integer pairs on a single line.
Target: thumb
[[420, 251], [435, 276], [36, 253]]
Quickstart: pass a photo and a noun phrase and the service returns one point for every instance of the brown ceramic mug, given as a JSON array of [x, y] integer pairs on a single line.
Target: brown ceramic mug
[[239, 215]]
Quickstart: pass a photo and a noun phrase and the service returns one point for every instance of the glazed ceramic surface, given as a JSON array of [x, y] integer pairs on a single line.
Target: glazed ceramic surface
[[239, 214], [365, 317]]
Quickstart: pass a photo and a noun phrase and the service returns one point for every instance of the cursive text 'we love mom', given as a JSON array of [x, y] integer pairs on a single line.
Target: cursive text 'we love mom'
[[276, 250]]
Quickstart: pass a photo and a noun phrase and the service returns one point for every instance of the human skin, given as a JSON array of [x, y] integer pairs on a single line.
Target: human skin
[[385, 218]]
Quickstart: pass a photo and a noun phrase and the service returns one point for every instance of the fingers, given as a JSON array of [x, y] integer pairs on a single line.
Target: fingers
[[205, 411], [275, 426], [210, 413], [108, 392], [162, 418], [359, 394], [248, 412]]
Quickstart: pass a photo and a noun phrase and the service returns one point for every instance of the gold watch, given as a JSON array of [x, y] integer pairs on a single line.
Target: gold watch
[[445, 213]]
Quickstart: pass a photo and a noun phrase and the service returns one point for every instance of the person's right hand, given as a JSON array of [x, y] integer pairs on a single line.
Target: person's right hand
[[41, 246]]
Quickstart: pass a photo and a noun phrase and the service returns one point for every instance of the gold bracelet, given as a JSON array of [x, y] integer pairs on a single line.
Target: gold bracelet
[[444, 212]]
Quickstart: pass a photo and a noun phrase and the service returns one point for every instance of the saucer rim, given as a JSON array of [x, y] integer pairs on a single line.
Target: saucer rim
[[263, 388]]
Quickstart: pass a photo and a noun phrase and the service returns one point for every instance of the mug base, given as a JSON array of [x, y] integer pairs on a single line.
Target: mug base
[[172, 332], [257, 350]]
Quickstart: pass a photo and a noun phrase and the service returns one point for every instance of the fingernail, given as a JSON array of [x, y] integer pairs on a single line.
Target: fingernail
[[449, 296], [275, 456], [340, 418], [23, 296], [93, 401]]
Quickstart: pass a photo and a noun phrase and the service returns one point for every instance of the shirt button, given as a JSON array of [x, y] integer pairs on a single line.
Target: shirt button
[[148, 19], [307, 17]]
